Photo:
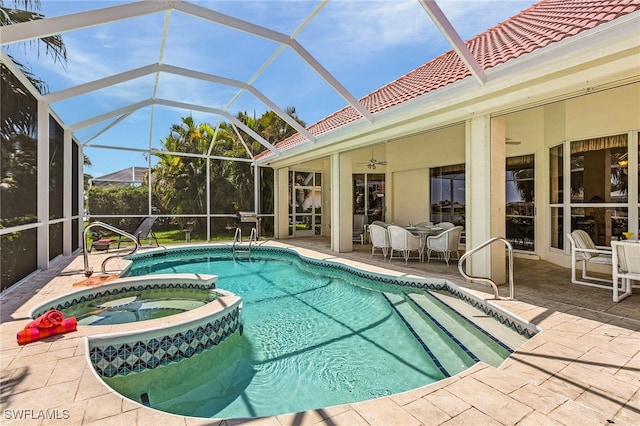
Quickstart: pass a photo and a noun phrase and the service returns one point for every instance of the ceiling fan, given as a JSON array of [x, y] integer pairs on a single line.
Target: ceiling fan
[[372, 163]]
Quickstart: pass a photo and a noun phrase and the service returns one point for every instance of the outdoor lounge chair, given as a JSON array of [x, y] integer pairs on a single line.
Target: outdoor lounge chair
[[144, 231], [584, 250], [625, 257], [405, 242], [445, 243], [379, 239]]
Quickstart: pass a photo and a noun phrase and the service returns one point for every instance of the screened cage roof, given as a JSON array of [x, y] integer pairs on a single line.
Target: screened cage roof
[[135, 68]]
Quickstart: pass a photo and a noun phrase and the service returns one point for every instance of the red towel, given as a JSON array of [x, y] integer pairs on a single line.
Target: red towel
[[47, 320], [45, 325]]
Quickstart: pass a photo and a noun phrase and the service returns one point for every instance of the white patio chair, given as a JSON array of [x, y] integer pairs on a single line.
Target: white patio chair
[[380, 223], [584, 250], [424, 225], [445, 225], [379, 238], [625, 257], [405, 242], [445, 243]]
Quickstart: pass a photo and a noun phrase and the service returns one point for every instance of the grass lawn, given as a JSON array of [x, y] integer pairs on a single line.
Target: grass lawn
[[176, 236]]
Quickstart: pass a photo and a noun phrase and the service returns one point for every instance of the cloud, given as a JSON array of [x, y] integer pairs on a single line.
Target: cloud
[[358, 30]]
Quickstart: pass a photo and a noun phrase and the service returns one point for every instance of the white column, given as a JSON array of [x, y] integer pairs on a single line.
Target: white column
[[256, 194], [485, 196], [208, 196], [341, 204], [43, 185], [281, 203], [80, 194], [632, 190], [67, 193], [498, 201]]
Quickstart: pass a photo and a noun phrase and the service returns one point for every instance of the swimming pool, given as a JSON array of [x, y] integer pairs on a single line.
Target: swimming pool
[[314, 336]]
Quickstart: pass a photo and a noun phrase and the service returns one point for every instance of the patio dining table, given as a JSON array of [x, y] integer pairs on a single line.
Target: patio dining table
[[424, 232]]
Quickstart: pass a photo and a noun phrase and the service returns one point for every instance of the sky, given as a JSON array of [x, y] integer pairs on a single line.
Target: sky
[[363, 44]]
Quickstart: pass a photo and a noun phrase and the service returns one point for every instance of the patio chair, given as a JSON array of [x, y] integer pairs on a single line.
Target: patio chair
[[445, 243], [405, 242], [358, 228], [445, 225], [380, 223], [584, 250], [143, 231], [625, 258], [379, 239]]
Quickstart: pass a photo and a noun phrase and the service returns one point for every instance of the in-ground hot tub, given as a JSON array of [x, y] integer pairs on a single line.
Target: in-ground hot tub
[[135, 299], [194, 327]]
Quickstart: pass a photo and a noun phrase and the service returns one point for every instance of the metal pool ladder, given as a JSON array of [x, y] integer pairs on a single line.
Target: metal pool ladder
[[512, 293], [237, 238], [111, 228]]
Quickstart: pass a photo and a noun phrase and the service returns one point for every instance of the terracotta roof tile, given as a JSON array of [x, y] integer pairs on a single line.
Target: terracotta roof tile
[[546, 22]]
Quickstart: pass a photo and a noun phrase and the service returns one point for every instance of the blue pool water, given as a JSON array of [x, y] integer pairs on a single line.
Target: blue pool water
[[313, 337]]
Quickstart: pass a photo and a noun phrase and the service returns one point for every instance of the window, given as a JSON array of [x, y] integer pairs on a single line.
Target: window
[[556, 179], [305, 204], [520, 198], [368, 196], [448, 194], [598, 183], [597, 196]]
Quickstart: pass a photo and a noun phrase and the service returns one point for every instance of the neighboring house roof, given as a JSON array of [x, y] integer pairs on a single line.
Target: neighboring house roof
[[544, 23], [125, 177]]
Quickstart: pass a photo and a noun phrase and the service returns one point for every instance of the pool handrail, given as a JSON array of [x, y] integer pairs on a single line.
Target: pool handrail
[[111, 228], [237, 238], [512, 293]]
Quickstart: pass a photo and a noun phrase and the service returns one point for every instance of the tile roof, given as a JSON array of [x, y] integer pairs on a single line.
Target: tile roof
[[544, 23]]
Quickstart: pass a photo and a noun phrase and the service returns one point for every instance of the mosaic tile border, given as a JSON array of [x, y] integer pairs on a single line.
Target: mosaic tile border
[[263, 252], [118, 286], [161, 347]]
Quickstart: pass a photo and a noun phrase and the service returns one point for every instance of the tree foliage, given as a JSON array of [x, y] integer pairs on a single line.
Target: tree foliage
[[180, 180], [118, 200]]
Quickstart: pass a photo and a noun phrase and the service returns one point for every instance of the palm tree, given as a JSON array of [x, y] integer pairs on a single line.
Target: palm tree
[[19, 13], [19, 110], [180, 181], [53, 45]]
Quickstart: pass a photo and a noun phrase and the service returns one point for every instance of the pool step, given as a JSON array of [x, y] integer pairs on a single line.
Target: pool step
[[467, 324], [448, 354], [506, 335], [474, 335]]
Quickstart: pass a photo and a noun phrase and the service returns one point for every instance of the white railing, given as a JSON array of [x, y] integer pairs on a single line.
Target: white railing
[[89, 271], [237, 238], [512, 293]]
